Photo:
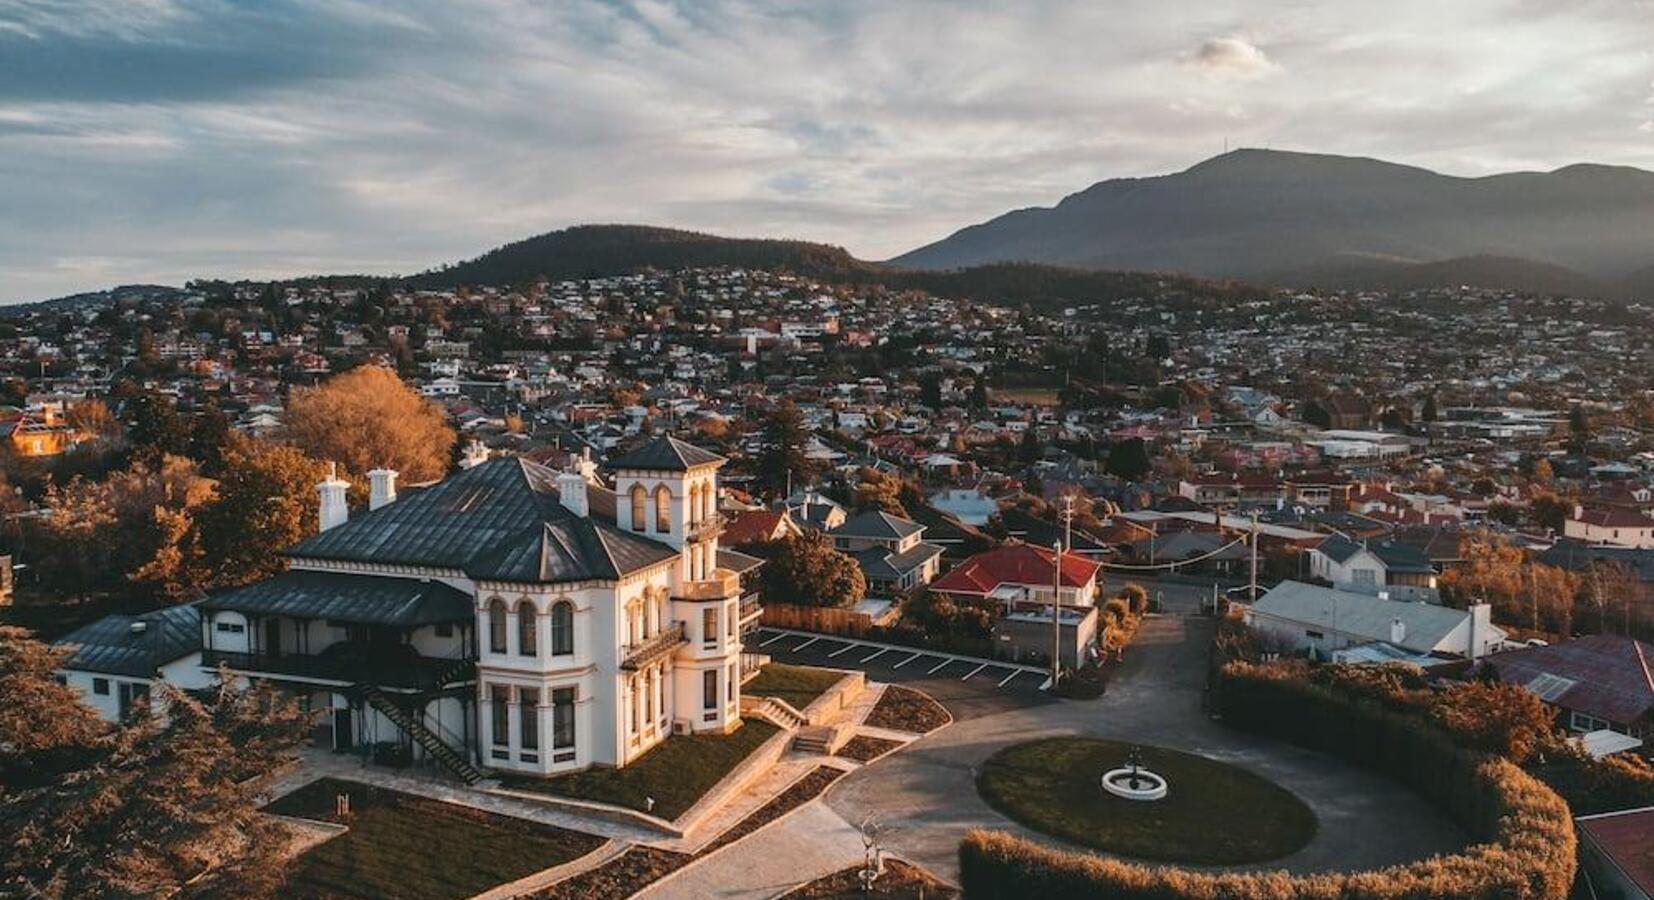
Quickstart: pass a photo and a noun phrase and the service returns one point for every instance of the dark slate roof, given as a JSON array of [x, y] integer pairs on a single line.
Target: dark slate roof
[[665, 454], [877, 562], [1338, 548], [876, 525], [499, 520], [738, 562], [1396, 556], [110, 646], [361, 599]]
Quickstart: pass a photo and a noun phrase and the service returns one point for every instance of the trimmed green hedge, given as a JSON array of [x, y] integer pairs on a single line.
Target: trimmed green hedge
[[1524, 832]]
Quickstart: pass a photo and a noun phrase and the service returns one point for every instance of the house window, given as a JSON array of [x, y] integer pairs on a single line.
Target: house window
[[231, 628], [729, 684], [709, 625], [528, 637], [528, 699], [562, 628], [1582, 722], [100, 686], [1365, 576], [1316, 635], [663, 509], [500, 713], [709, 689], [638, 514], [445, 629], [496, 626], [562, 718]]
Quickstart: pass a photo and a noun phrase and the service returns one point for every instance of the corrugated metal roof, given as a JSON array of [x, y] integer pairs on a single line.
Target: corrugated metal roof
[[1606, 676], [342, 597], [110, 646], [1360, 614]]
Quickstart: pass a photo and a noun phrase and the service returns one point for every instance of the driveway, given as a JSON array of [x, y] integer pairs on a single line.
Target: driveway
[[925, 796]]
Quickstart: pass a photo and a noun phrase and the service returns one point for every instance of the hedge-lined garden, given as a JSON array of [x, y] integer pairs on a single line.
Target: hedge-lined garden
[[1524, 832]]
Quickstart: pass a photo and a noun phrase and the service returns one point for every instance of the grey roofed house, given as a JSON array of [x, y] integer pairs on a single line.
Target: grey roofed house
[[112, 645], [358, 599], [1351, 617], [877, 526], [666, 454], [500, 520], [879, 563], [1396, 556]]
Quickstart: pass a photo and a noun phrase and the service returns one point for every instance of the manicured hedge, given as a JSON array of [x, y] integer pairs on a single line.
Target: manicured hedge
[[1524, 833]]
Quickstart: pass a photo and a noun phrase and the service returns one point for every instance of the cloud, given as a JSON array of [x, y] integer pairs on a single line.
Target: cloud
[[159, 140], [1233, 57]]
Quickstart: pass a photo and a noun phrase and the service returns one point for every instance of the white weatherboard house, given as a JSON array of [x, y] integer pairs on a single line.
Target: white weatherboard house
[[1323, 620], [511, 617]]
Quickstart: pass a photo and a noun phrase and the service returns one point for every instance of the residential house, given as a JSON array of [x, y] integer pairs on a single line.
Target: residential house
[[1597, 682], [889, 550], [1321, 620]]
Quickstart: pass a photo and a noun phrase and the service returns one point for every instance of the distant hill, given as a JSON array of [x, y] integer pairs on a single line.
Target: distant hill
[[1282, 218], [94, 299], [589, 251]]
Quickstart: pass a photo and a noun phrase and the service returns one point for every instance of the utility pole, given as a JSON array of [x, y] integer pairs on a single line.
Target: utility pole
[[1056, 614], [1068, 520], [1254, 589]]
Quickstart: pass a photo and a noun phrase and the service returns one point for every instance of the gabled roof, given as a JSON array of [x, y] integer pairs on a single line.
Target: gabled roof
[[110, 646], [665, 454], [1016, 564], [877, 562], [1613, 677], [1364, 615], [342, 597], [500, 520], [1396, 556], [876, 525]]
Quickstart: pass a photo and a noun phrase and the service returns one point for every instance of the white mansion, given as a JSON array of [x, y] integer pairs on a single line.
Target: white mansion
[[511, 617]]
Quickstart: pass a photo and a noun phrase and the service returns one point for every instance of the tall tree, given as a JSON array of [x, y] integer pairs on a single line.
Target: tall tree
[[880, 491], [43, 724], [1129, 459], [782, 463], [367, 418], [264, 503], [805, 569]]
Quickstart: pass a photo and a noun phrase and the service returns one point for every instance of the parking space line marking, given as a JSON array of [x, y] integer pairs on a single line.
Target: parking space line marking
[[880, 652], [974, 671], [906, 661], [773, 639], [944, 663], [1008, 678], [805, 644], [843, 649]]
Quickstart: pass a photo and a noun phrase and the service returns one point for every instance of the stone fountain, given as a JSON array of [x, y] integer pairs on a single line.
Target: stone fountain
[[1133, 782]]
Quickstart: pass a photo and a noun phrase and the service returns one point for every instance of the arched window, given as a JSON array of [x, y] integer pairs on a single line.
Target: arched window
[[709, 502], [639, 518], [562, 628], [692, 509], [496, 625], [663, 509], [528, 629]]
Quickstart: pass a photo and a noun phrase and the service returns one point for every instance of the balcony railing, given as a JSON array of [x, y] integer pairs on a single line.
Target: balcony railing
[[706, 527], [352, 664], [751, 608], [720, 585], [636, 656]]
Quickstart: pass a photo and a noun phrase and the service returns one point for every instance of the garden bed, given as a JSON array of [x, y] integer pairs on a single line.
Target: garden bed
[[801, 792], [676, 774], [900, 881], [862, 748], [905, 709], [401, 845], [799, 686], [1215, 814]]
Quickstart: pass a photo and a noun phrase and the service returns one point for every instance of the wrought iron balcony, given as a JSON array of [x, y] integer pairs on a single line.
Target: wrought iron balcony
[[751, 608], [636, 656], [352, 663]]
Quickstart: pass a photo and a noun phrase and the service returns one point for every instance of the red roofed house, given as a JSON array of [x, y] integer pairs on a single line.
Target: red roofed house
[[1616, 850], [1610, 525], [1018, 573], [759, 525], [1599, 681]]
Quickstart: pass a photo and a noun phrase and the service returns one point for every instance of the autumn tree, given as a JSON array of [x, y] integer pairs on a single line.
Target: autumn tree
[[1524, 593], [43, 724], [265, 502], [805, 569], [367, 418], [879, 491]]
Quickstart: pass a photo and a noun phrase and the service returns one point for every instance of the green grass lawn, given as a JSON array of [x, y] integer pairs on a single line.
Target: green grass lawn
[[798, 685], [1214, 814], [676, 773], [404, 846]]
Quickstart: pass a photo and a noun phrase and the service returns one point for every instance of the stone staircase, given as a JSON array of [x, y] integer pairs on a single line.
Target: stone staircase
[[822, 739], [446, 756], [779, 712]]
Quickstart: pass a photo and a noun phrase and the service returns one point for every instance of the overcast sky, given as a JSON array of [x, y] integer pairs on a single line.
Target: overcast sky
[[159, 140]]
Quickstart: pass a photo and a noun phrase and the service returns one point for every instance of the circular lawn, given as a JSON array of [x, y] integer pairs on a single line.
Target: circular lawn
[[1213, 814]]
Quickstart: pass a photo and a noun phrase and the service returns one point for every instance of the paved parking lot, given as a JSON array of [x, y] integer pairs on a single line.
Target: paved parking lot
[[967, 687]]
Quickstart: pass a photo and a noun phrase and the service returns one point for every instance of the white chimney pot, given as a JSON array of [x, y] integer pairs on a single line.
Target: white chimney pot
[[334, 509], [382, 487]]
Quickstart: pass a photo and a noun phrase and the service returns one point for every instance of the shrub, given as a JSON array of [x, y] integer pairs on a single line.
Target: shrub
[[1524, 832]]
